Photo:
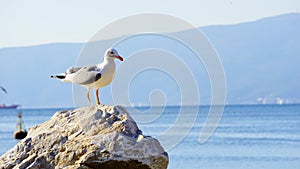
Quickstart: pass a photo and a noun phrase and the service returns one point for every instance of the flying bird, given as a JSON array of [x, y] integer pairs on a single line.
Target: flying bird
[[3, 89], [93, 76]]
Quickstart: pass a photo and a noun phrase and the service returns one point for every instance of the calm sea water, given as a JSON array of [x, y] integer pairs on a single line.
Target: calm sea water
[[248, 137]]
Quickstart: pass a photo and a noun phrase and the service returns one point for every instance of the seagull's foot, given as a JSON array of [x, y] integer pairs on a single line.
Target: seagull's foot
[[88, 96], [97, 96]]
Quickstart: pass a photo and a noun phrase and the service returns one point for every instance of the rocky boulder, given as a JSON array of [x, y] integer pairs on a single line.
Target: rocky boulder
[[90, 137]]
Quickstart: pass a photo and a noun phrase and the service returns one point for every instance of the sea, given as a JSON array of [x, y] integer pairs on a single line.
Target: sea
[[246, 137]]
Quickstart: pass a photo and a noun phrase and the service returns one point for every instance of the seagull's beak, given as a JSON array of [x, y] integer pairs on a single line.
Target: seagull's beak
[[119, 57]]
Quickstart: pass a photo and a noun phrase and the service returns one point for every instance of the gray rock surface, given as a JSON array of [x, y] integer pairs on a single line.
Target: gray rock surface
[[90, 137]]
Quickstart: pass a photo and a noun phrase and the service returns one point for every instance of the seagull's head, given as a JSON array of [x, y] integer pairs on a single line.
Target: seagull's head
[[111, 54]]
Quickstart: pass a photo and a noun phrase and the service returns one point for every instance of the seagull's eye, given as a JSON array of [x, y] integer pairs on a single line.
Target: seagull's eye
[[112, 53]]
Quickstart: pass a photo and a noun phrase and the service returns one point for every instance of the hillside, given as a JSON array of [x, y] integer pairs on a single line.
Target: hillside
[[260, 59]]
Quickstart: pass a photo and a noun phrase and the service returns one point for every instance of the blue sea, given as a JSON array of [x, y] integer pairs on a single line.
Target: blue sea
[[247, 137]]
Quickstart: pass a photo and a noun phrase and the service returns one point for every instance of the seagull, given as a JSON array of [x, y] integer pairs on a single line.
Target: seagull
[[93, 76], [3, 89]]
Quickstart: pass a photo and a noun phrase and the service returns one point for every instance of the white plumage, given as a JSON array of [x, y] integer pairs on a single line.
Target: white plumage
[[93, 76]]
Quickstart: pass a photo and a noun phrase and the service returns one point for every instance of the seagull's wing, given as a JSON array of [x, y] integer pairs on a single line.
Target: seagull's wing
[[72, 70], [2, 88], [86, 75]]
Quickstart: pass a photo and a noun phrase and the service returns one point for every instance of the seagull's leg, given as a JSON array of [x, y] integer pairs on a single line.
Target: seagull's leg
[[88, 96], [97, 95]]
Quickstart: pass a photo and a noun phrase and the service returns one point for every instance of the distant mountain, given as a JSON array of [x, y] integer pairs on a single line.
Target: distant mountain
[[25, 73], [261, 60]]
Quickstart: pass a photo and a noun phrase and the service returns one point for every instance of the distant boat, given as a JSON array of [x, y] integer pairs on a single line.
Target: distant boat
[[13, 106], [3, 106], [20, 132]]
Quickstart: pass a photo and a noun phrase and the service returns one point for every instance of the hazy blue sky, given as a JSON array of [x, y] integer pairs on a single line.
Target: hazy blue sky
[[37, 22]]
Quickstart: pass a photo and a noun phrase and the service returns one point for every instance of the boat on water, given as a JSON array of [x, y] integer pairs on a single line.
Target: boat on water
[[13, 106], [3, 106]]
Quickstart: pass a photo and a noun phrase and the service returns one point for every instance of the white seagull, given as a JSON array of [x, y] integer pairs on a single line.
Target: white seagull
[[93, 76]]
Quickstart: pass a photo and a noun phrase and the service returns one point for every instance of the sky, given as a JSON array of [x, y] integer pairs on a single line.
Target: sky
[[32, 22]]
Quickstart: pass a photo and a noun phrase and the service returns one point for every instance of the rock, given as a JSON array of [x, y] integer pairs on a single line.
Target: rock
[[90, 137]]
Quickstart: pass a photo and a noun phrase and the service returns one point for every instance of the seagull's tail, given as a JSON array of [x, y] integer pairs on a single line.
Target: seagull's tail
[[58, 76]]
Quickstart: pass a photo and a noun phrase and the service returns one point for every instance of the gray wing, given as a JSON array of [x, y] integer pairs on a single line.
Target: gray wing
[[72, 70], [86, 75], [2, 88]]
